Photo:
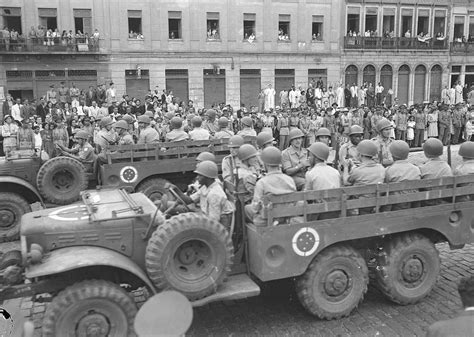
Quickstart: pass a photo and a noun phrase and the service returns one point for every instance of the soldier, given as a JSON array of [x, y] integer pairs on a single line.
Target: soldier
[[294, 119], [26, 136], [147, 134], [83, 151], [321, 176], [376, 117], [383, 141], [401, 170], [247, 172], [444, 122], [323, 135], [247, 129], [466, 151], [203, 156], [367, 173], [231, 162], [274, 183], [223, 132], [295, 158], [211, 123], [348, 150], [106, 136], [283, 130], [198, 133], [124, 137], [305, 124], [177, 133]]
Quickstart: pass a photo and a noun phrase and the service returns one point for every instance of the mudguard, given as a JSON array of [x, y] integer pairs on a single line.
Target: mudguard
[[25, 184], [70, 258]]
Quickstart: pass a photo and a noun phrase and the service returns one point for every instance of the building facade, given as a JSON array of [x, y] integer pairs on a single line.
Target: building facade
[[215, 51]]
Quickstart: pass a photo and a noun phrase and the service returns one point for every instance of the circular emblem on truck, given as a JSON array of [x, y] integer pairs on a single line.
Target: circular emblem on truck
[[70, 213], [129, 174], [305, 241]]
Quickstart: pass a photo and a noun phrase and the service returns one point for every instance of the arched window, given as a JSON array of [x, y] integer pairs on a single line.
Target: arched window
[[420, 81], [368, 75], [352, 74], [403, 84], [436, 83], [386, 78]]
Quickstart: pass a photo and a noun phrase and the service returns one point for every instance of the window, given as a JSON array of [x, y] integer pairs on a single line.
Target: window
[[83, 20], [423, 21], [407, 23], [440, 24], [12, 18], [135, 24], [317, 31], [458, 28], [213, 26], [318, 77], [371, 22], [249, 27], [284, 27], [388, 23], [48, 18], [353, 21], [471, 29], [174, 25]]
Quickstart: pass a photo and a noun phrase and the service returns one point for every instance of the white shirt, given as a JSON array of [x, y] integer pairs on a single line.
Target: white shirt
[[38, 141], [378, 89], [199, 134], [16, 112]]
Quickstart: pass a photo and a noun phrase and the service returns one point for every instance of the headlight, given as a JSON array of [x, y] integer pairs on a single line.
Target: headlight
[[36, 253]]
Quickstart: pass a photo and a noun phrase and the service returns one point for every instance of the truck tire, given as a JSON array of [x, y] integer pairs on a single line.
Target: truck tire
[[153, 188], [60, 180], [92, 307], [408, 269], [12, 207], [334, 283], [189, 253]]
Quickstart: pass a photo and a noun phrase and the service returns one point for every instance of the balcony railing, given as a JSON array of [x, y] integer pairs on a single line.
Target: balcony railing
[[54, 45], [400, 43], [462, 47]]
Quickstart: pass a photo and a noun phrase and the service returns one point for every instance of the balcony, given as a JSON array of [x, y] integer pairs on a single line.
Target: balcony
[[462, 47], [51, 46], [396, 43]]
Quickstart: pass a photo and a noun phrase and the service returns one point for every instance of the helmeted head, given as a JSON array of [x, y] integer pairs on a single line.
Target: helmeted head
[[323, 135], [223, 122], [106, 122], [295, 137], [176, 122], [196, 121], [271, 156], [81, 136], [203, 156], [206, 171], [466, 150], [356, 134], [319, 150], [399, 150], [383, 127], [246, 152], [367, 148], [433, 148], [247, 121], [235, 142], [143, 121], [211, 114], [264, 139]]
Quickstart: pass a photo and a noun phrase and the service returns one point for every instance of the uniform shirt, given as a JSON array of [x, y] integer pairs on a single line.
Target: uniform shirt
[[199, 134], [292, 158], [212, 127], [125, 139], [229, 167], [322, 177], [247, 132], [466, 167], [213, 201], [85, 153], [383, 145], [223, 134], [246, 184], [402, 170], [367, 174], [282, 126], [435, 168], [148, 135], [176, 135], [348, 151], [105, 139]]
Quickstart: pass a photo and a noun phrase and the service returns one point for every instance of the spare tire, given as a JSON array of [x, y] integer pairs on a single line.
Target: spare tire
[[60, 180], [189, 253], [12, 207]]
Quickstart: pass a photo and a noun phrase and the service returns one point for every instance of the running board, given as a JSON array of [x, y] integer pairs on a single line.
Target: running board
[[237, 287]]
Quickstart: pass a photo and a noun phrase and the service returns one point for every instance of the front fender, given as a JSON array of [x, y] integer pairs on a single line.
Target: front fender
[[70, 258], [11, 180]]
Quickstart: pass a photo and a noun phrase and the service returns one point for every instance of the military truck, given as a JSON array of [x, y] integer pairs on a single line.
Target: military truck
[[89, 255], [25, 179]]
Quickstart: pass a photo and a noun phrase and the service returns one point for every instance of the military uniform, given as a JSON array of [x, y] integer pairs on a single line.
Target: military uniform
[[282, 127], [402, 170], [213, 201], [212, 127], [292, 158], [383, 156], [176, 135], [125, 139], [223, 134], [85, 153], [348, 151], [245, 132], [246, 183], [148, 135], [229, 167]]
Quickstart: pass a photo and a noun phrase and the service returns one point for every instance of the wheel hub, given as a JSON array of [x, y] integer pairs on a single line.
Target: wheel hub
[[412, 269], [93, 325], [188, 255], [336, 283], [192, 260], [7, 218], [62, 180]]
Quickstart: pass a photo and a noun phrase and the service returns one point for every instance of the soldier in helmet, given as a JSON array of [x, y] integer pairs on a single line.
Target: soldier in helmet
[[106, 136], [264, 140], [295, 158], [83, 151], [283, 130], [383, 141], [466, 151], [401, 170], [177, 133], [367, 173], [348, 150], [203, 156], [274, 182], [231, 162], [247, 129], [246, 172], [124, 137], [148, 135], [224, 131], [321, 176], [198, 133], [211, 123], [324, 135]]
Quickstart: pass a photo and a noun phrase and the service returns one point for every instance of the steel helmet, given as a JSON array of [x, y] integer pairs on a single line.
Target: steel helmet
[[355, 130], [466, 150], [223, 122], [367, 148], [295, 133], [106, 121], [433, 147], [203, 156], [236, 141], [207, 169], [149, 114], [211, 113], [121, 124], [169, 115], [129, 119], [382, 124], [143, 119], [190, 117], [399, 149], [323, 132], [271, 156], [247, 121], [319, 150], [81, 134], [176, 122], [196, 121], [246, 151], [264, 138]]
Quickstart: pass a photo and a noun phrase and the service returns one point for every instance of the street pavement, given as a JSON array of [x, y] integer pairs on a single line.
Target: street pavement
[[277, 312]]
